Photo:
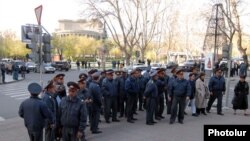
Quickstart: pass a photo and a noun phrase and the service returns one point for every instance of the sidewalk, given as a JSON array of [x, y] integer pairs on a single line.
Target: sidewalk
[[9, 79]]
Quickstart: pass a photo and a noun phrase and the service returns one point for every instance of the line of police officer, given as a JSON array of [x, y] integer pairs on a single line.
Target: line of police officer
[[96, 92]]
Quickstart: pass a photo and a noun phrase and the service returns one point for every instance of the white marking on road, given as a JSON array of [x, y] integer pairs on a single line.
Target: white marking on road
[[13, 90], [18, 95], [20, 98], [2, 119]]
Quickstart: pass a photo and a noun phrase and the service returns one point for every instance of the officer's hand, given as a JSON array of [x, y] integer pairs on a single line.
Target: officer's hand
[[90, 100], [79, 134], [187, 98], [169, 98]]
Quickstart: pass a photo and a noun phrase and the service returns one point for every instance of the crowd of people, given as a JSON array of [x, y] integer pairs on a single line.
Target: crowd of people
[[116, 95]]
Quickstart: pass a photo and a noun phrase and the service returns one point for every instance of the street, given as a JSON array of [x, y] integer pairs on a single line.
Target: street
[[12, 127]]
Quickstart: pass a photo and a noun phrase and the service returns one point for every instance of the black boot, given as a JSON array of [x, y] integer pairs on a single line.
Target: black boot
[[203, 111], [198, 111]]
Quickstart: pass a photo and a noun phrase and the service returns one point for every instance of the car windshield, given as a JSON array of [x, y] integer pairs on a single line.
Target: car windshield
[[47, 65]]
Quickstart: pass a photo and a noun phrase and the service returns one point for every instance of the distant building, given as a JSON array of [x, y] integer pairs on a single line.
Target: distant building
[[92, 28]]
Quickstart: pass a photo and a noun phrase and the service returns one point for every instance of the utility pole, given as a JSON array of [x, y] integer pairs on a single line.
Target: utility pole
[[229, 65]]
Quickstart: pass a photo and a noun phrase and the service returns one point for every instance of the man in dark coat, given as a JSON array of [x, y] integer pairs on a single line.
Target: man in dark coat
[[170, 83], [132, 89], [34, 112], [150, 95], [95, 92], [180, 92], [160, 83], [217, 89], [73, 115], [49, 97]]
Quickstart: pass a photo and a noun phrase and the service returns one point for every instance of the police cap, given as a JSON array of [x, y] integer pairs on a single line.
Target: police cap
[[34, 88]]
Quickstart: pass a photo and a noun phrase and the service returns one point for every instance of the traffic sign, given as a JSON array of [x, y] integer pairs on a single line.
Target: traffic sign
[[38, 12]]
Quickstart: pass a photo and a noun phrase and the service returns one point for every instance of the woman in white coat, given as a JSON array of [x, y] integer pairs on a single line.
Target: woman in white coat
[[201, 94]]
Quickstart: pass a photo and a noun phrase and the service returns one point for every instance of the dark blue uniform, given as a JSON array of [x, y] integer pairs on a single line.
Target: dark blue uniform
[[132, 89], [151, 94], [83, 94], [121, 93], [179, 91], [109, 88], [216, 86], [73, 115], [169, 85], [34, 112], [161, 84], [95, 92], [50, 101]]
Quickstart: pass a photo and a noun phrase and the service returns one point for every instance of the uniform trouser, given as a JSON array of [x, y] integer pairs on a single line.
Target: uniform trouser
[[192, 102], [95, 116], [169, 105], [36, 135], [130, 106], [49, 134], [140, 98], [89, 111], [135, 103], [150, 110], [178, 101], [110, 103], [211, 100], [159, 108], [122, 107], [3, 77], [70, 134], [118, 103]]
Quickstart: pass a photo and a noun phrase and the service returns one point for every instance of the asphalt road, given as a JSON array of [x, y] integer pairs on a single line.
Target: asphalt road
[[12, 128]]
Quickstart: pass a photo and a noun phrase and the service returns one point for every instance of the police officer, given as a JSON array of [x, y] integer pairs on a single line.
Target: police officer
[[132, 89], [142, 84], [59, 82], [109, 88], [217, 89], [83, 76], [150, 95], [121, 92], [180, 92], [34, 112], [84, 96], [89, 79], [160, 83], [170, 83], [49, 97], [95, 92], [73, 115]]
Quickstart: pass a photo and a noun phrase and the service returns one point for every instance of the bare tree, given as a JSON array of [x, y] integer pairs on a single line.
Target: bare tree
[[121, 19]]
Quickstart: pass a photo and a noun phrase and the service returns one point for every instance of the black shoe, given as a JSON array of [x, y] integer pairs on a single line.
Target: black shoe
[[204, 113], [220, 114], [154, 122], [141, 110], [162, 117], [185, 113], [207, 111], [130, 121], [180, 121], [96, 132], [157, 118], [134, 118], [107, 121], [116, 120], [195, 115], [171, 122], [150, 123]]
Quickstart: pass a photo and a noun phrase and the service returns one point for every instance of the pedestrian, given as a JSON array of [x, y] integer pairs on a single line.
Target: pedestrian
[[95, 92], [15, 69], [243, 69], [132, 89], [180, 92], [151, 94], [23, 69], [217, 89], [201, 94], [191, 100], [73, 115], [49, 98], [34, 112], [78, 65], [3, 70], [241, 91]]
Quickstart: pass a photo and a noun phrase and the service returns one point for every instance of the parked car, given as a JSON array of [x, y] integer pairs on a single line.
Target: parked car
[[61, 65], [30, 66], [188, 65], [156, 66], [171, 65], [46, 68]]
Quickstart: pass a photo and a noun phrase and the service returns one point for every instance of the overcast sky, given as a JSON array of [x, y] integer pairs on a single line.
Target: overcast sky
[[14, 13]]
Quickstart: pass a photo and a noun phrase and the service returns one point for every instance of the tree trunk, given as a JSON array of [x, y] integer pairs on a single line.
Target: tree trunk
[[142, 54], [127, 58]]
